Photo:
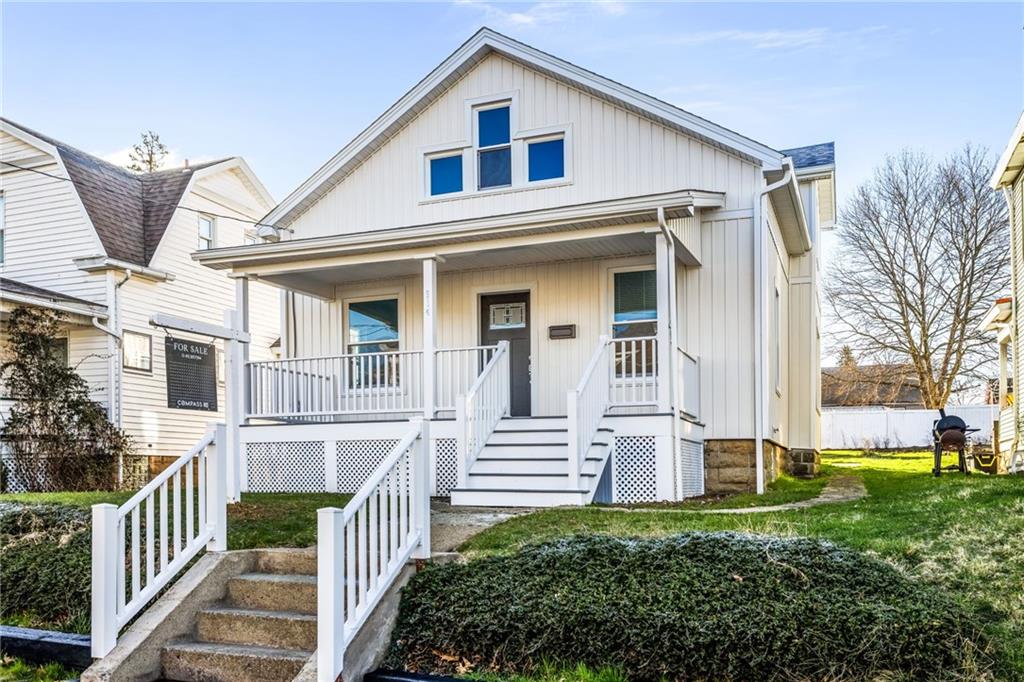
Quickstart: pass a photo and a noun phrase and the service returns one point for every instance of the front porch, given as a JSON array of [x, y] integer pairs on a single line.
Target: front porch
[[523, 351]]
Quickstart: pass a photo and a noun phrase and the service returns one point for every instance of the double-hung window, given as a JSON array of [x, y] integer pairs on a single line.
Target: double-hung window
[[373, 329], [494, 146], [138, 351], [206, 229]]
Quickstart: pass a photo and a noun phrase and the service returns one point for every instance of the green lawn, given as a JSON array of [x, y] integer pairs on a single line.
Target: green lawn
[[17, 670], [965, 534], [782, 490]]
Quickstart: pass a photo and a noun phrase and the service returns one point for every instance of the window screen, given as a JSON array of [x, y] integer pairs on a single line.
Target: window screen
[[636, 304]]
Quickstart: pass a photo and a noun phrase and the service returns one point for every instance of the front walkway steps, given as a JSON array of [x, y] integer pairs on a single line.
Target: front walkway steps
[[525, 464], [264, 630]]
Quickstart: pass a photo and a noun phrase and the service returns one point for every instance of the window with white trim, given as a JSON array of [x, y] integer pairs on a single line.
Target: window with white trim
[[137, 350], [372, 325], [545, 158], [492, 134], [444, 173], [206, 232], [635, 304]]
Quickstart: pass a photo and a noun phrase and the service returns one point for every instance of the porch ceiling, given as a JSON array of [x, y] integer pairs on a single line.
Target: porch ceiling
[[322, 281]]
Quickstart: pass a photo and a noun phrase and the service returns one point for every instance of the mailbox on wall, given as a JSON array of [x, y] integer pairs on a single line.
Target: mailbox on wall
[[562, 331]]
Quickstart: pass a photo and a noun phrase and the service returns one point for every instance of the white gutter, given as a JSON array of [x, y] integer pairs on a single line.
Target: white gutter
[[673, 334], [99, 263], [760, 270]]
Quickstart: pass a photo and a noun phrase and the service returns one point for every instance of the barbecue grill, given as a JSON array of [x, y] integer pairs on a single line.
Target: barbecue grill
[[949, 434]]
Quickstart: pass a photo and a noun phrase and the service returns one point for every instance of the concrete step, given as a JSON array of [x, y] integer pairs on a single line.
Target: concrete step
[[211, 662], [273, 592], [287, 561], [504, 497], [255, 627], [526, 481]]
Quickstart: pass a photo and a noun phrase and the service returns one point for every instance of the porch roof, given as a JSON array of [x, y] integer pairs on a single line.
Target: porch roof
[[14, 293], [599, 229]]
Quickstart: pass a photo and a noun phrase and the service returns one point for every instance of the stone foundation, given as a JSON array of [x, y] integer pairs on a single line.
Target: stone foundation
[[803, 463], [730, 465]]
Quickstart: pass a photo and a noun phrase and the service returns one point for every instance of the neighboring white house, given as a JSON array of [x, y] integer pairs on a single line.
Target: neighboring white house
[[1004, 318], [109, 248], [560, 272]]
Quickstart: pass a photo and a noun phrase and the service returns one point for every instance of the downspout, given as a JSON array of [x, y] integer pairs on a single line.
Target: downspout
[[113, 329], [759, 322], [673, 341]]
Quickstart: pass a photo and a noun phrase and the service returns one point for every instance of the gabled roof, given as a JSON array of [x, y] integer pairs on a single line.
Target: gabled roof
[[129, 211], [482, 43], [1011, 161], [13, 291], [812, 156]]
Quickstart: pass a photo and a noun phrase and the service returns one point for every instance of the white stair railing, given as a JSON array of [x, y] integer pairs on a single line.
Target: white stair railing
[[586, 406], [173, 532], [481, 408], [362, 548], [457, 369]]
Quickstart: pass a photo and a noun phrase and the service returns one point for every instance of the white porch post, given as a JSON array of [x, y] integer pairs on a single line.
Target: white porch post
[[216, 490], [666, 297], [105, 558], [421, 492], [429, 336], [238, 390]]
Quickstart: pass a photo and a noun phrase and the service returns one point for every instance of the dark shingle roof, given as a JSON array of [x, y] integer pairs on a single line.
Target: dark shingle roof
[[13, 286], [823, 154], [130, 211]]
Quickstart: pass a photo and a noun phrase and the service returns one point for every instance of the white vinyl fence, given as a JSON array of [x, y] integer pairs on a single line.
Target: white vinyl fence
[[844, 428]]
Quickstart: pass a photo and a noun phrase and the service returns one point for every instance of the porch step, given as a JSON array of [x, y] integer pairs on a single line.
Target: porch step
[[216, 662], [531, 481], [273, 592], [490, 464], [532, 423], [510, 497], [254, 627]]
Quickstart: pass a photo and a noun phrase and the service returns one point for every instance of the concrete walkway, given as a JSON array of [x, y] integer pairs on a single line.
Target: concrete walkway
[[839, 489], [451, 526]]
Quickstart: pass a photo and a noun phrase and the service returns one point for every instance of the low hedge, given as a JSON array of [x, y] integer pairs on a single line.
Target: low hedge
[[697, 606], [45, 566]]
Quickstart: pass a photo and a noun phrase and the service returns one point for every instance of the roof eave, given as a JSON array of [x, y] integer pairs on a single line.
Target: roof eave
[[1011, 161]]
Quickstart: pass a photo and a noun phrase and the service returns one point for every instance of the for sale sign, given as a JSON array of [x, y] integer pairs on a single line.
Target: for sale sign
[[191, 375]]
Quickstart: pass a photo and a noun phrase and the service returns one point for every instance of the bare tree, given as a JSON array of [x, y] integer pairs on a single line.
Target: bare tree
[[148, 155], [923, 251]]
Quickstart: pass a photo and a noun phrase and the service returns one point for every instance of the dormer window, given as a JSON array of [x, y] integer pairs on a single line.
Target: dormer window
[[494, 146]]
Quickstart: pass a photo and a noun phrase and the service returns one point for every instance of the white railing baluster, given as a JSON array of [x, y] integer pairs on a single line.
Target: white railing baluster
[[111, 606], [363, 548], [481, 408], [586, 406]]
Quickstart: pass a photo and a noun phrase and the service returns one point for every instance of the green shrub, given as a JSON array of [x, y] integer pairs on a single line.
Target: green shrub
[[45, 567], [722, 606]]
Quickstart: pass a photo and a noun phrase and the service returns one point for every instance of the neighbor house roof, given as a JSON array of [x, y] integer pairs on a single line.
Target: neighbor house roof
[[813, 156], [870, 385], [13, 291], [1011, 161], [472, 52], [129, 211]]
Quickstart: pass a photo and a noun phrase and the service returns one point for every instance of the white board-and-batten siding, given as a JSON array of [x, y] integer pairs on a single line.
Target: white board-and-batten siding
[[196, 293], [615, 153]]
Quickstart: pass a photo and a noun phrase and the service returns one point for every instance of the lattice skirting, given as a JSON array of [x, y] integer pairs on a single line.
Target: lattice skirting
[[690, 469], [635, 472], [316, 466]]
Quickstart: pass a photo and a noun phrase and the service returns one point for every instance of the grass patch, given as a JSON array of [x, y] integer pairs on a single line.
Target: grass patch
[[963, 535], [783, 490], [719, 606], [45, 543], [17, 670]]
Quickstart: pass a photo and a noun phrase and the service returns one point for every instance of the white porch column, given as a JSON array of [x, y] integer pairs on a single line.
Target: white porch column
[[1003, 373], [666, 299], [429, 336], [237, 397]]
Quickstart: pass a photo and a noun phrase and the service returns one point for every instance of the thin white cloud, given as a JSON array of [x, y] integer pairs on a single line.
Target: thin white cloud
[[174, 158], [540, 13]]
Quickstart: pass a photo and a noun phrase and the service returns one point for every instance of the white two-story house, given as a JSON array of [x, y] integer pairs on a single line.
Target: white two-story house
[[109, 249], [590, 293]]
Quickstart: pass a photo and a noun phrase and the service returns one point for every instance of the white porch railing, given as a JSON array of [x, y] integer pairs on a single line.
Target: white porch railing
[[172, 534], [689, 393], [355, 383], [481, 408], [586, 405], [634, 372], [457, 369], [362, 548]]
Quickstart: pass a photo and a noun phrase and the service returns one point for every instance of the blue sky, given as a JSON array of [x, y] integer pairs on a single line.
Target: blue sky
[[287, 85]]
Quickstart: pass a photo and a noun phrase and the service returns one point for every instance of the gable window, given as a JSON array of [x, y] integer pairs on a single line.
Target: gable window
[[545, 159], [138, 351], [494, 146], [206, 229], [445, 174]]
